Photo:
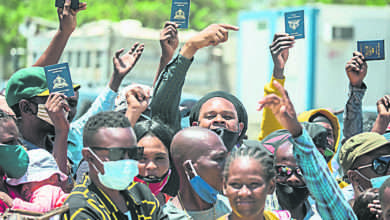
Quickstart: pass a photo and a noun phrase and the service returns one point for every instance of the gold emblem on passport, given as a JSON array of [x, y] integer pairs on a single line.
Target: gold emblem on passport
[[294, 24], [180, 14], [59, 83], [369, 51]]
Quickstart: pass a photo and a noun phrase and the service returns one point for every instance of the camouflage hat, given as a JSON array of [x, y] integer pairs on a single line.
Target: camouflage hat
[[359, 145]]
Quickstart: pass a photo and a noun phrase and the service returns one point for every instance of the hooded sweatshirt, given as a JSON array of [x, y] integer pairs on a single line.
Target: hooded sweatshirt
[[308, 117]]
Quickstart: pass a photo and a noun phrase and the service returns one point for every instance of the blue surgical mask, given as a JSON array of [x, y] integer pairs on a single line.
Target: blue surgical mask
[[118, 174], [206, 192], [378, 181]]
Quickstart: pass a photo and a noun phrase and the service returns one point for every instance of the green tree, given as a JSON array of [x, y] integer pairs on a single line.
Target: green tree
[[152, 13]]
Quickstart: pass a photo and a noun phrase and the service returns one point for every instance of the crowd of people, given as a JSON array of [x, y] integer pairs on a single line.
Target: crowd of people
[[141, 153]]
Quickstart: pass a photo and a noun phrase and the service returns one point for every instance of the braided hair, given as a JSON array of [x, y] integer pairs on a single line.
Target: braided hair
[[256, 151]]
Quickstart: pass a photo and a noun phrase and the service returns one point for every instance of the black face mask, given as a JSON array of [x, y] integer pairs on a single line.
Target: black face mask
[[153, 180], [230, 138], [290, 197]]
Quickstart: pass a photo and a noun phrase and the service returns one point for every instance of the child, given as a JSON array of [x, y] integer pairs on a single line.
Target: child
[[13, 159], [40, 186]]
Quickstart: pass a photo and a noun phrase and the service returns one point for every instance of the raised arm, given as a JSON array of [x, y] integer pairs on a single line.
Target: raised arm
[[279, 49], [169, 40], [68, 23], [356, 69], [168, 88], [56, 106], [124, 64], [137, 98], [383, 118], [323, 187], [212, 35]]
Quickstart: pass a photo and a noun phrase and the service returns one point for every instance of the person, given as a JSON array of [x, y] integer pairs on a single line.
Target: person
[[169, 41], [248, 177], [279, 49], [170, 83], [3, 104], [108, 190], [383, 118], [27, 91], [155, 168], [13, 159], [384, 197], [291, 192], [361, 207], [133, 101], [323, 188], [40, 185], [356, 70], [223, 113], [198, 155], [364, 157]]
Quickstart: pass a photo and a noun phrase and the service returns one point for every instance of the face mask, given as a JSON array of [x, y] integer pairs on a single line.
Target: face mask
[[230, 138], [290, 196], [156, 184], [43, 115], [14, 160], [206, 192], [118, 174], [185, 122], [378, 181]]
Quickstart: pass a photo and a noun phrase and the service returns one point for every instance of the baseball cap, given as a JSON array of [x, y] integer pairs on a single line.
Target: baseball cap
[[360, 145], [41, 167], [27, 83]]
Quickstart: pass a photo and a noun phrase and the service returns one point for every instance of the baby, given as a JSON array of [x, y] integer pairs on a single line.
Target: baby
[[40, 186]]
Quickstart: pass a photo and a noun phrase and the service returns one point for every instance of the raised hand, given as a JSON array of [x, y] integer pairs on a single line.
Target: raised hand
[[56, 107], [283, 109], [356, 69], [383, 119], [212, 35], [137, 98], [67, 16], [124, 64], [169, 40], [375, 208], [279, 48]]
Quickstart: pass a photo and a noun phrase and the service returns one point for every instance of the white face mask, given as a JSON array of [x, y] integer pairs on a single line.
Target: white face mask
[[118, 174], [43, 115]]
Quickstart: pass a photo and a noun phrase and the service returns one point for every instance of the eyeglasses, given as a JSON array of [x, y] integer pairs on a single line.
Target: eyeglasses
[[287, 171], [380, 165], [118, 153]]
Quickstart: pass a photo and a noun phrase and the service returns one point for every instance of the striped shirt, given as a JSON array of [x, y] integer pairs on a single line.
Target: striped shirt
[[323, 188], [87, 201]]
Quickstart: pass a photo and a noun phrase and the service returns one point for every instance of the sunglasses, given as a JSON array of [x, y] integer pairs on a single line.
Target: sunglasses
[[119, 153], [380, 165], [287, 171]]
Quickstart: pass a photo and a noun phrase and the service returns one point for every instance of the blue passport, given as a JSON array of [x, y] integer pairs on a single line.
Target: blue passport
[[58, 79], [372, 49], [295, 24], [180, 12]]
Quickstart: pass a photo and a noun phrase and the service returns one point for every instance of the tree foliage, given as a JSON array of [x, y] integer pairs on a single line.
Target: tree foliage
[[152, 13]]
